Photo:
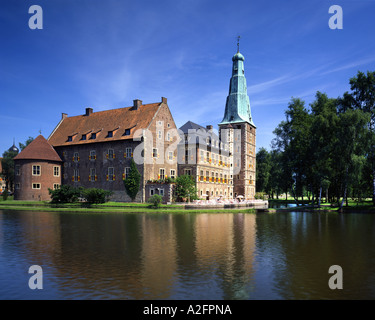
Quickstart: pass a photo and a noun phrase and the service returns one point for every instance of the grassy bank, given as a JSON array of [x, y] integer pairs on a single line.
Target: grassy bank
[[110, 207], [353, 206]]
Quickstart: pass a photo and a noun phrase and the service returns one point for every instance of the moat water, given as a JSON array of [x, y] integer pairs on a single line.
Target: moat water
[[187, 256]]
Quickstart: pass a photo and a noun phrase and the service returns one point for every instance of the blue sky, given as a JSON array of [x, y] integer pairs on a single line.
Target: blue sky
[[105, 54]]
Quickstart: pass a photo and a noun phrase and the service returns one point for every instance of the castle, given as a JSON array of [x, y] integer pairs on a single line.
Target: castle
[[94, 150]]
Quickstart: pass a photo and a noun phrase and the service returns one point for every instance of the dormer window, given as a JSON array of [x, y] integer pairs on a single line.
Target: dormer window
[[110, 134], [93, 136], [83, 137], [127, 132], [70, 138]]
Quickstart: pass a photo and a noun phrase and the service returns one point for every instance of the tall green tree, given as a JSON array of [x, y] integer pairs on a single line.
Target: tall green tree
[[27, 142], [185, 188], [263, 161], [321, 143], [362, 97], [132, 182]]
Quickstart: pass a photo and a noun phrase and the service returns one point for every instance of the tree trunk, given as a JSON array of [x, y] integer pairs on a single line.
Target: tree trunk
[[343, 198], [320, 196], [294, 196], [327, 195]]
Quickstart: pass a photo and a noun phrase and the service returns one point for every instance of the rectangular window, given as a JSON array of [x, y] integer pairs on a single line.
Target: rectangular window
[[128, 152], [56, 186], [110, 134], [36, 170], [92, 155], [18, 170], [70, 138], [17, 186], [76, 157], [110, 154], [36, 185], [92, 174], [162, 174], [173, 173], [111, 174], [127, 132], [155, 152], [83, 137], [161, 192], [170, 155], [93, 136], [187, 172], [151, 192], [76, 175], [126, 172], [56, 171]]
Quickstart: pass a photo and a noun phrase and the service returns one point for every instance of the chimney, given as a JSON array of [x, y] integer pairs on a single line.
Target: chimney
[[63, 116], [88, 111], [209, 127], [136, 104], [163, 100]]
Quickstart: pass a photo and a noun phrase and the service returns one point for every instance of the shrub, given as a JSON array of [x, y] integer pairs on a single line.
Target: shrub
[[259, 195], [185, 188], [5, 194], [96, 196], [65, 194], [155, 201], [132, 182]]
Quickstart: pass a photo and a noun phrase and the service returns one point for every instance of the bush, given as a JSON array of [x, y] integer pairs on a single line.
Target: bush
[[132, 182], [65, 194], [96, 196], [5, 194], [185, 188], [155, 201], [260, 195]]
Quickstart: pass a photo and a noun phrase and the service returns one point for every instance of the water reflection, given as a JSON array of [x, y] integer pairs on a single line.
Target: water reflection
[[190, 256]]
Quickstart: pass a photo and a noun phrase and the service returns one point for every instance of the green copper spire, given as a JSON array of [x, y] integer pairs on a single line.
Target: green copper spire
[[237, 108]]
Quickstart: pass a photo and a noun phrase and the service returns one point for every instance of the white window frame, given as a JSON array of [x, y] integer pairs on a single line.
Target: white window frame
[[56, 169], [36, 170], [111, 175], [128, 152], [173, 173], [36, 186], [162, 176], [126, 171]]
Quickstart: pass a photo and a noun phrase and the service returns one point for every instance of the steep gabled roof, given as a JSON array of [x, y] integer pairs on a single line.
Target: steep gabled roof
[[122, 123], [192, 126], [38, 149]]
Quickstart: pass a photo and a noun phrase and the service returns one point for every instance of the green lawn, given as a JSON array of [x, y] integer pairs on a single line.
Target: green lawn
[[119, 207]]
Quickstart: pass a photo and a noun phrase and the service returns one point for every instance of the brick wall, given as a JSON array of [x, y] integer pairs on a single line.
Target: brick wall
[[29, 186]]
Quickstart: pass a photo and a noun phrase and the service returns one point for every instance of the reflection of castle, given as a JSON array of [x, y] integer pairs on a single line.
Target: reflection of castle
[[143, 256], [94, 150]]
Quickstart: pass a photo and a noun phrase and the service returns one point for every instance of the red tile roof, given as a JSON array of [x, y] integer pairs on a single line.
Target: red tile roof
[[38, 149], [100, 123]]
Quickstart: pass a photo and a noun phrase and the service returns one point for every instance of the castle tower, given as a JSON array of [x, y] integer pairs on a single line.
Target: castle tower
[[238, 131]]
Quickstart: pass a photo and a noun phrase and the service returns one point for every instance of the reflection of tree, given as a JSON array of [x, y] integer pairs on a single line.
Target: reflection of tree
[[224, 248], [100, 254], [302, 247]]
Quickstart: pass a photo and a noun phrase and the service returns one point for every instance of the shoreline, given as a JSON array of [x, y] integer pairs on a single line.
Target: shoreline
[[168, 209]]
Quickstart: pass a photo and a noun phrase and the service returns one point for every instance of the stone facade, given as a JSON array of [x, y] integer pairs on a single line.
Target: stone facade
[[163, 189], [104, 163], [205, 157]]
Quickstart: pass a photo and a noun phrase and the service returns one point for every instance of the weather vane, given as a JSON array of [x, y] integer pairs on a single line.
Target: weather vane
[[238, 43]]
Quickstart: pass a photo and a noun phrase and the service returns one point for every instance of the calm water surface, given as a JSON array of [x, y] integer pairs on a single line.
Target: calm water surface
[[187, 256]]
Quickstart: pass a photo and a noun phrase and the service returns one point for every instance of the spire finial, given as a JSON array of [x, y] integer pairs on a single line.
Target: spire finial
[[238, 43]]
